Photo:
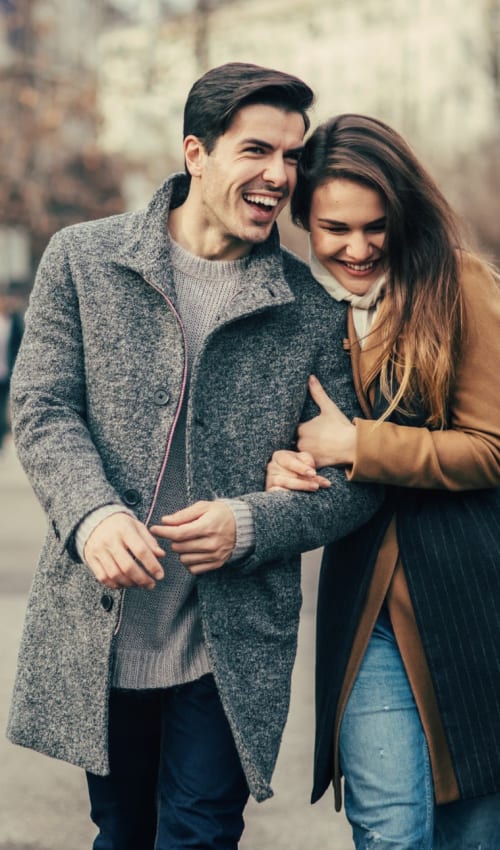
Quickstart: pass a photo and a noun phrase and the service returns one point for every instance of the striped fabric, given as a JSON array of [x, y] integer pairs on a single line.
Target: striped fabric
[[450, 548]]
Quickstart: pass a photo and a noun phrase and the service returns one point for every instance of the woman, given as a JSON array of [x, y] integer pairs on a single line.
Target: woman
[[408, 659]]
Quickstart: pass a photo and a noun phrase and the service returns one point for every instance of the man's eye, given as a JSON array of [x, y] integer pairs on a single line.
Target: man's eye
[[255, 149]]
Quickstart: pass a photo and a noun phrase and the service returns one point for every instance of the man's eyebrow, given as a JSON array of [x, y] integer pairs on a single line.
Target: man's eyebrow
[[258, 143], [295, 151], [263, 144]]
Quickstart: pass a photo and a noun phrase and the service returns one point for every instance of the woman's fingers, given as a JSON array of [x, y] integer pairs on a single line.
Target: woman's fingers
[[300, 463], [288, 482], [319, 396]]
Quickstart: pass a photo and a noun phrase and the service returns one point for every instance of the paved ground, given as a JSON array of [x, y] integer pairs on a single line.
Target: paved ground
[[43, 803]]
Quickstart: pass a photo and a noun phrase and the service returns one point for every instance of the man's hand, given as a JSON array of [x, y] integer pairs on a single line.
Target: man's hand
[[121, 552], [203, 535]]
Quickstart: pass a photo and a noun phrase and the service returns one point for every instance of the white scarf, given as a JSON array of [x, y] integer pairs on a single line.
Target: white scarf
[[364, 307]]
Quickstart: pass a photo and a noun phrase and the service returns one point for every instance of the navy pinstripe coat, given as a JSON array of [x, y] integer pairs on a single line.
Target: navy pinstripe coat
[[449, 546]]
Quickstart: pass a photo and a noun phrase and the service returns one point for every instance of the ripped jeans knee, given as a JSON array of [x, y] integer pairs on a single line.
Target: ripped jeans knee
[[389, 792], [388, 788]]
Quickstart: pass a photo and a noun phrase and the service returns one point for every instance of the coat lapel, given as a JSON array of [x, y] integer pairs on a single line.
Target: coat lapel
[[365, 360], [147, 253]]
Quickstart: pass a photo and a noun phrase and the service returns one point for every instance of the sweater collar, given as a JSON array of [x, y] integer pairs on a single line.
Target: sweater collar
[[148, 250]]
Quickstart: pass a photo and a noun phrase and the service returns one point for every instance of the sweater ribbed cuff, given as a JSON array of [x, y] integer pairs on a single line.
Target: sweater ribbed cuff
[[245, 532], [91, 521]]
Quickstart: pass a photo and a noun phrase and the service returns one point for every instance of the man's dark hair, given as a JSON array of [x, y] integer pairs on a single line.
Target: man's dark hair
[[216, 97]]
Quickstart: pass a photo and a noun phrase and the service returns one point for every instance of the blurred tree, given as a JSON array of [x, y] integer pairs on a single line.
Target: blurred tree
[[474, 179], [472, 184], [201, 42], [492, 25], [51, 171]]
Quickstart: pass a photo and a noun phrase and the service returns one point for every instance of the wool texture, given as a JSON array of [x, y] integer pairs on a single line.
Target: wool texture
[[102, 352]]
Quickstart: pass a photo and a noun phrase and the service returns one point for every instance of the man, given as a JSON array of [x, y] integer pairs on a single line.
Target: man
[[166, 356]]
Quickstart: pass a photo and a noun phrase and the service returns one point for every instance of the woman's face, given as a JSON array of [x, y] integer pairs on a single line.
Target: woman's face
[[348, 229]]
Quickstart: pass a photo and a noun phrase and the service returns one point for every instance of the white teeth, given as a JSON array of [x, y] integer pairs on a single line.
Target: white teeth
[[261, 199], [359, 267]]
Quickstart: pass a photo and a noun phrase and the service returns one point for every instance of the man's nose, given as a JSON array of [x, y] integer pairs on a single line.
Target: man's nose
[[275, 171]]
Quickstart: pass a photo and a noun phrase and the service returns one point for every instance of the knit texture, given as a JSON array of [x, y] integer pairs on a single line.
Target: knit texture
[[160, 640], [102, 351]]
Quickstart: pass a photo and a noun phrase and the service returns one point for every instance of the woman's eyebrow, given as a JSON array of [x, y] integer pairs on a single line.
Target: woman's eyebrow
[[379, 221]]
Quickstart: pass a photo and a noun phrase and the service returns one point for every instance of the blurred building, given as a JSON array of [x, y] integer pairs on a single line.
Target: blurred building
[[92, 94], [428, 68], [51, 171]]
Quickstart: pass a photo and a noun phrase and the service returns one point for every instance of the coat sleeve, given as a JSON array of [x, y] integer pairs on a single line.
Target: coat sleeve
[[467, 455], [48, 401], [287, 523]]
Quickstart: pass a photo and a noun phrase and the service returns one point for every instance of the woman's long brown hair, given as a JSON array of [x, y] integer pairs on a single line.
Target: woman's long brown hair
[[424, 315]]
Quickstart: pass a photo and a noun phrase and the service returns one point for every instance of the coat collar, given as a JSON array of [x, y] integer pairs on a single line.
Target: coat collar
[[365, 361], [146, 251]]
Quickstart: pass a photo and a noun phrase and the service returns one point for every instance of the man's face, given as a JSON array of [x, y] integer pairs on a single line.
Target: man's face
[[249, 176]]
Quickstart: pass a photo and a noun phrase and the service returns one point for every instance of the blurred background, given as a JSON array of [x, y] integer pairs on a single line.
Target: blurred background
[[92, 91], [91, 100]]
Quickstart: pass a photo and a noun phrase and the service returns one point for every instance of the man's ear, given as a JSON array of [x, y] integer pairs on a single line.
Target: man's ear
[[194, 156]]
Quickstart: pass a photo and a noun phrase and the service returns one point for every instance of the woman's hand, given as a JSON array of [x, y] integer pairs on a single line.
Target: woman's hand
[[327, 440], [330, 438], [293, 471]]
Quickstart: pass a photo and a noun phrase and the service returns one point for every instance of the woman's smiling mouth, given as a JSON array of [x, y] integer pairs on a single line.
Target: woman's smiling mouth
[[360, 268]]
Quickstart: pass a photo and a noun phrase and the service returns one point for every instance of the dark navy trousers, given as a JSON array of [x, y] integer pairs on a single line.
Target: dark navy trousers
[[176, 779]]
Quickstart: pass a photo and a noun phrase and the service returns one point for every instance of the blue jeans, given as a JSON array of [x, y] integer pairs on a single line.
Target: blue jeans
[[389, 793], [176, 780]]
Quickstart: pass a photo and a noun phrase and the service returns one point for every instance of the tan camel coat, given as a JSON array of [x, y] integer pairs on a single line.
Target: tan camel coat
[[465, 457]]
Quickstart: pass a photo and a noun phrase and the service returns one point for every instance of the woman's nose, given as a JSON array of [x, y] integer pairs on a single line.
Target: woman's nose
[[358, 246]]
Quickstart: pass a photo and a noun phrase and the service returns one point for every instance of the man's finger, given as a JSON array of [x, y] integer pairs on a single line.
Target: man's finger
[[185, 531], [146, 551], [203, 567], [186, 515], [117, 545], [119, 572], [201, 546], [128, 569]]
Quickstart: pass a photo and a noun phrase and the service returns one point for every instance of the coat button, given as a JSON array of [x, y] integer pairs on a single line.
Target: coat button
[[131, 498], [107, 601], [161, 397]]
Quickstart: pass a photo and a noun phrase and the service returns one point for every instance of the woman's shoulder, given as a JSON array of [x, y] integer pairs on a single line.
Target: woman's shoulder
[[480, 287], [478, 276]]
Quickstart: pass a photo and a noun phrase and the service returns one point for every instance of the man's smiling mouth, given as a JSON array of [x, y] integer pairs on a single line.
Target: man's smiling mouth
[[262, 201]]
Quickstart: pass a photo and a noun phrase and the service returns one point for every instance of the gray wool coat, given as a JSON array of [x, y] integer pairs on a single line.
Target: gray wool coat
[[95, 394]]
